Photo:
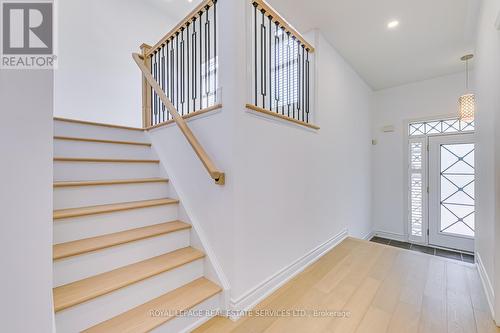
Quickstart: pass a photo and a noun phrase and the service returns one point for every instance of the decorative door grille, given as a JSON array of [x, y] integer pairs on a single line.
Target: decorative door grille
[[457, 189]]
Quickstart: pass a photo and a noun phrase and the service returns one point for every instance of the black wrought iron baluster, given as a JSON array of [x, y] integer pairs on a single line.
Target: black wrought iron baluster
[[263, 59], [255, 52], [288, 73], [292, 80], [215, 52], [282, 76], [163, 78], [270, 63], [182, 71], [201, 60], [167, 73], [152, 92], [303, 78], [177, 70], [158, 79], [298, 78], [194, 64], [207, 55], [308, 87], [210, 74], [172, 72], [172, 53], [188, 104], [276, 66]]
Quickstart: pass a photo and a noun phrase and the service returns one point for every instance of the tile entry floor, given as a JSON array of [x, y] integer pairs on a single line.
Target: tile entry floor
[[450, 254]]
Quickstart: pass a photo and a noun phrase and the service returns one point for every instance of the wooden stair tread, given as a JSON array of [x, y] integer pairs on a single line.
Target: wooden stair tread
[[134, 143], [109, 182], [102, 160], [139, 320], [92, 210], [85, 122], [65, 250], [83, 290]]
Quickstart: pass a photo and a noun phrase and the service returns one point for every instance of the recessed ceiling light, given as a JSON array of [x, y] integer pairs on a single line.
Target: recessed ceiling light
[[392, 24]]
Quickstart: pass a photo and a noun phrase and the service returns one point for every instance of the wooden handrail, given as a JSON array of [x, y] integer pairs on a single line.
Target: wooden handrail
[[202, 7], [186, 116], [216, 174], [276, 17]]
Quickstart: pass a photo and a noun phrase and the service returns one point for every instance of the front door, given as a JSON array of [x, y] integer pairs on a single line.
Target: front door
[[451, 191]]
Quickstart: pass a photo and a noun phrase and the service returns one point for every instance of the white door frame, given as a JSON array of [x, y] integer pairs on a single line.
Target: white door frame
[[436, 237], [423, 239]]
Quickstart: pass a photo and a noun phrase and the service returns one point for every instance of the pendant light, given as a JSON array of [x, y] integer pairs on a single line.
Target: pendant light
[[467, 102]]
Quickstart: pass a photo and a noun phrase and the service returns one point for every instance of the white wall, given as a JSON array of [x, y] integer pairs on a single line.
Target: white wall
[[97, 80], [298, 188], [424, 99], [211, 206], [288, 189], [26, 200], [487, 78]]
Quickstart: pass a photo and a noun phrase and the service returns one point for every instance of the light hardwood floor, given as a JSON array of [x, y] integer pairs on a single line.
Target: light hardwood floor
[[385, 289]]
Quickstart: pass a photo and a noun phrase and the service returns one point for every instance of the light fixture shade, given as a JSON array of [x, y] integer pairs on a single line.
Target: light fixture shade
[[467, 107]]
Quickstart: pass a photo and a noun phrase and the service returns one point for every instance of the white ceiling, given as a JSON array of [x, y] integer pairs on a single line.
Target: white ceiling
[[431, 37]]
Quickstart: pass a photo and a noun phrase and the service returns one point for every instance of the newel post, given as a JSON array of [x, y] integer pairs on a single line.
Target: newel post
[[146, 89]]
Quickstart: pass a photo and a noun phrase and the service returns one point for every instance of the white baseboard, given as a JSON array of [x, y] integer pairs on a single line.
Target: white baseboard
[[486, 282], [269, 285], [391, 235], [369, 235]]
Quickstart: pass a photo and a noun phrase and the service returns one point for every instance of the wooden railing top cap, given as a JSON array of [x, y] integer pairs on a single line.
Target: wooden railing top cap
[[276, 17]]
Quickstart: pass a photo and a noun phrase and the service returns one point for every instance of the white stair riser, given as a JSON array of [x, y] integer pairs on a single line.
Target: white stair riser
[[75, 228], [70, 171], [82, 266], [67, 148], [62, 128], [186, 324], [75, 268], [82, 196], [95, 311]]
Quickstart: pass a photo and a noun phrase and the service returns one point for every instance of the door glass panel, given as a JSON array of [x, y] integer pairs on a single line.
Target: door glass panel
[[433, 127], [457, 189], [440, 127], [416, 188], [416, 204]]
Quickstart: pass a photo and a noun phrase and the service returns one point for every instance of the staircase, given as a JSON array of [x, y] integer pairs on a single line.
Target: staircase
[[122, 261]]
